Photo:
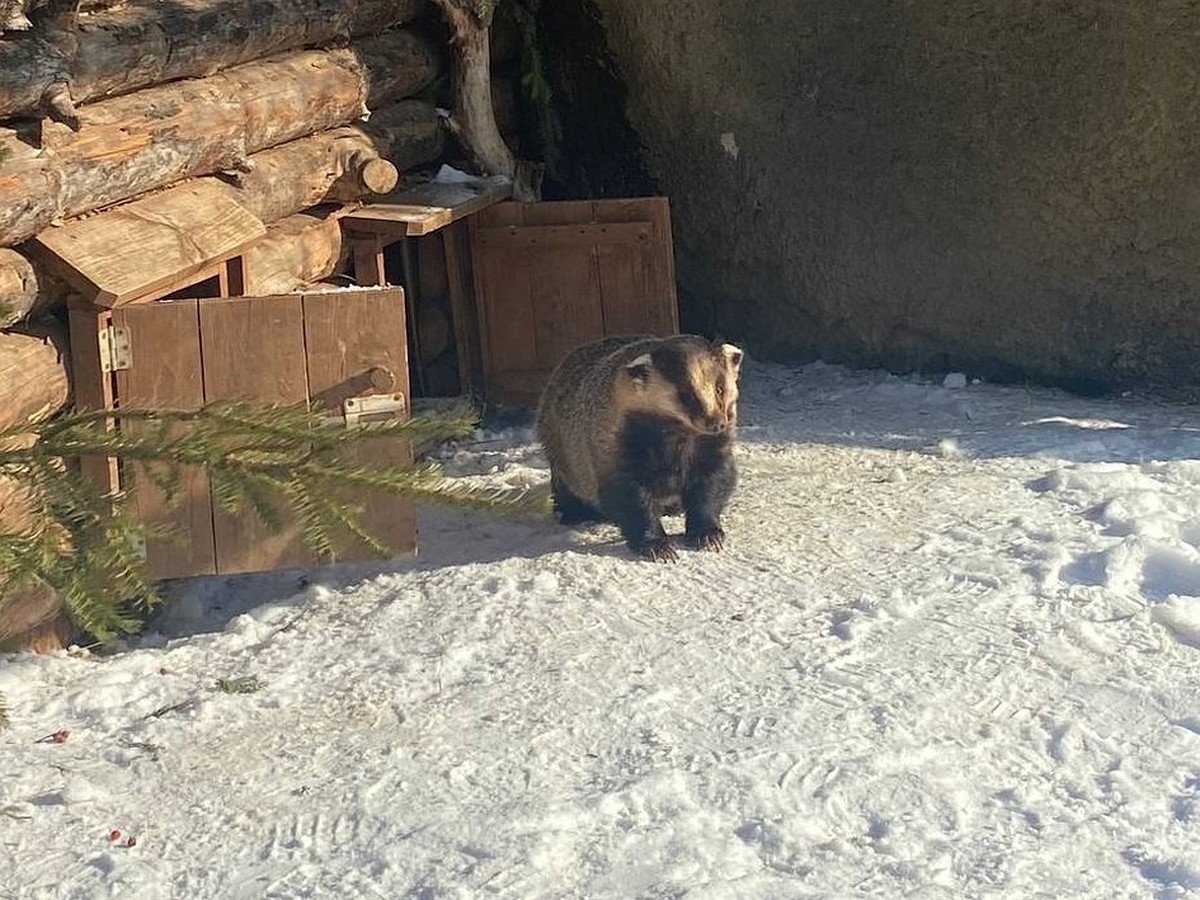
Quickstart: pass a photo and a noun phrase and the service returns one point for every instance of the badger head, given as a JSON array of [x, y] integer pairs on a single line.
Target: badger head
[[688, 380]]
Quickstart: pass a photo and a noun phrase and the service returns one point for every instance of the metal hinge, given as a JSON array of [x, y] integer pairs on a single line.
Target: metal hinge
[[115, 350], [373, 408]]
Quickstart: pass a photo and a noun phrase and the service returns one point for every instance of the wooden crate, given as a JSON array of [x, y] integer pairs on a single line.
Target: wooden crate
[[334, 346], [528, 282], [550, 276]]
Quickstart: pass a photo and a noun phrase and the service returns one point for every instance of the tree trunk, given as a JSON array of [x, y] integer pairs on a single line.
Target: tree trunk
[[123, 50], [473, 121], [295, 251], [33, 378], [147, 140], [18, 287]]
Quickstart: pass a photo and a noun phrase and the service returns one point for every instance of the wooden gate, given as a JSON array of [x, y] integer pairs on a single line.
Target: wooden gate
[[328, 346], [550, 276]]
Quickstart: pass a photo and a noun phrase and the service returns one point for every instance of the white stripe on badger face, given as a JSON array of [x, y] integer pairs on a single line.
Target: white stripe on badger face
[[705, 402], [639, 367], [733, 355]]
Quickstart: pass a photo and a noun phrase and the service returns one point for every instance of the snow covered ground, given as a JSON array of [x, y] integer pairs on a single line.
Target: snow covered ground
[[953, 650]]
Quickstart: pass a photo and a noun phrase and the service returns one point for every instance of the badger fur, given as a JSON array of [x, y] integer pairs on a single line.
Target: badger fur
[[637, 427]]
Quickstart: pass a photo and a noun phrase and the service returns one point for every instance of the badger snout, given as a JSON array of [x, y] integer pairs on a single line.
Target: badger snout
[[714, 425]]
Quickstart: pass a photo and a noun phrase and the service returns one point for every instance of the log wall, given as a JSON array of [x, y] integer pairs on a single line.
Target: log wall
[[291, 108], [120, 51]]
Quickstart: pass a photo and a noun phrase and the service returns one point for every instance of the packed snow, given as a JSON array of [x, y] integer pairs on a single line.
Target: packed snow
[[952, 650]]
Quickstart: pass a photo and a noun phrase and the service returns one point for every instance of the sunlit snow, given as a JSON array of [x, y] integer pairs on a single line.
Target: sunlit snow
[[952, 650]]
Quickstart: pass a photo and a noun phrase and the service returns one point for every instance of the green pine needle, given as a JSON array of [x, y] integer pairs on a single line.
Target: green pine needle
[[279, 463]]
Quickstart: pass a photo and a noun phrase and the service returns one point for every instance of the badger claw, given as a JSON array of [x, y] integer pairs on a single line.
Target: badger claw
[[709, 539], [659, 550]]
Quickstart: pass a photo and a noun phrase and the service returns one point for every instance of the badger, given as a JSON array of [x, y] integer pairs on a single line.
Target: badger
[[638, 427]]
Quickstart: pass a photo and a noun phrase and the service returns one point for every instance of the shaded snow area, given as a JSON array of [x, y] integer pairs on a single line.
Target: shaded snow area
[[952, 650]]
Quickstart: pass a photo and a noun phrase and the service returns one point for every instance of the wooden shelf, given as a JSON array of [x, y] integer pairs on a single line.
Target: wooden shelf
[[420, 209]]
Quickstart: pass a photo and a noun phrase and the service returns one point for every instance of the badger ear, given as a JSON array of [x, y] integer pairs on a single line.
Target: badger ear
[[733, 355], [639, 369]]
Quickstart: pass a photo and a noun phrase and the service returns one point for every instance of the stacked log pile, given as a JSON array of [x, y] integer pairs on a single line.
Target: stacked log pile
[[291, 107]]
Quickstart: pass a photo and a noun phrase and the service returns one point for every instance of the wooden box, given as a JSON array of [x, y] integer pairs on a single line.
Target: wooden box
[[336, 346], [527, 282], [142, 337]]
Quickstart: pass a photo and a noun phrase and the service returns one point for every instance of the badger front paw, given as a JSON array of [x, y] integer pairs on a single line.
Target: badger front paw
[[711, 538], [659, 549]]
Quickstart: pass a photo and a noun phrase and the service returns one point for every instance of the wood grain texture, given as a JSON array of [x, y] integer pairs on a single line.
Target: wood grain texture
[[294, 252], [33, 378], [149, 139], [18, 287], [463, 308], [417, 210], [123, 50], [282, 182], [339, 368], [253, 349], [551, 276], [167, 374], [154, 245], [92, 388]]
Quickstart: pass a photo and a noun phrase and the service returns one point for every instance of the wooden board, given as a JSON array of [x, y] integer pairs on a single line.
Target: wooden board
[[375, 362], [551, 276], [150, 246], [418, 210], [329, 345], [253, 349], [91, 387], [463, 308], [172, 379]]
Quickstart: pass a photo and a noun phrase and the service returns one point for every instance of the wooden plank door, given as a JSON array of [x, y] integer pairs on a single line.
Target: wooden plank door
[[356, 345], [253, 349], [551, 276], [166, 374]]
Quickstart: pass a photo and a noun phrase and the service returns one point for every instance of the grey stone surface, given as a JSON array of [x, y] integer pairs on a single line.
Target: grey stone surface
[[1010, 187]]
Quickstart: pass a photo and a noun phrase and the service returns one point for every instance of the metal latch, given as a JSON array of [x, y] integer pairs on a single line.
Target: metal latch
[[115, 349], [373, 408]]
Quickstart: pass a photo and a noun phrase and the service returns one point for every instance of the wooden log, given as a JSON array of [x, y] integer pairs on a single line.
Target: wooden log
[[285, 180], [18, 287], [119, 51], [295, 251], [32, 617], [473, 121], [33, 382], [147, 140], [35, 619], [33, 378]]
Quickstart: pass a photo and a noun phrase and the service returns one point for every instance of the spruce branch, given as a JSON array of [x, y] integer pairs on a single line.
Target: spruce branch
[[278, 463]]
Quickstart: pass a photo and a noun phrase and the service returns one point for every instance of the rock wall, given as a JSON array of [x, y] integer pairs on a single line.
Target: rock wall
[[1009, 187]]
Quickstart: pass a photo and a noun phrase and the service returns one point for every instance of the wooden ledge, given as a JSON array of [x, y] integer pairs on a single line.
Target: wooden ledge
[[421, 209]]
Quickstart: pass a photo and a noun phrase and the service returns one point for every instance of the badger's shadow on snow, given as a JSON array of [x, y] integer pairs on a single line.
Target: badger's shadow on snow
[[446, 537]]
